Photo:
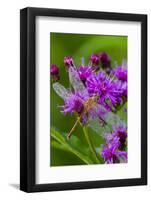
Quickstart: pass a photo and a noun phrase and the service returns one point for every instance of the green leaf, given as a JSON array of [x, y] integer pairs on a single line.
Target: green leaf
[[73, 145], [58, 146]]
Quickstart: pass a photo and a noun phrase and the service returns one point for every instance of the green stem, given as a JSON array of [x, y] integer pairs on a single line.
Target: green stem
[[90, 143]]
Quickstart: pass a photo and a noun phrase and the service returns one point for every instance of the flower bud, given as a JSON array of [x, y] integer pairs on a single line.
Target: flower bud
[[54, 70], [95, 59], [105, 60], [68, 60]]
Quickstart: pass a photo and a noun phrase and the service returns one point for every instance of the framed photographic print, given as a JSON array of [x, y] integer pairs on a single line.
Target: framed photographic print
[[83, 99]]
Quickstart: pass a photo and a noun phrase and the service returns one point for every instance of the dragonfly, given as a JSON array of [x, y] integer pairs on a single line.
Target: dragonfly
[[99, 118]]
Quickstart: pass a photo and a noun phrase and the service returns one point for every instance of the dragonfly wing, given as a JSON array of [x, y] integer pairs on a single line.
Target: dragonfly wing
[[108, 116], [112, 118], [95, 125], [76, 82], [101, 120], [61, 90]]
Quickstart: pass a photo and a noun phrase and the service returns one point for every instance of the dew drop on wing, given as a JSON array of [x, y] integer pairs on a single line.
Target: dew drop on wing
[[61, 90]]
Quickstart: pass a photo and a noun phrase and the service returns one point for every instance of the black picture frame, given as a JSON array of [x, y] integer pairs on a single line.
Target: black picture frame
[[28, 99]]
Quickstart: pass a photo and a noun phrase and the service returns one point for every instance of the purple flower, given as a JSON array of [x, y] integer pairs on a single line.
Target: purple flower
[[120, 130], [54, 70], [109, 94], [73, 103], [84, 72], [95, 59], [101, 76], [111, 153], [108, 137], [122, 156], [121, 73], [68, 60], [105, 87], [105, 60], [94, 83], [122, 87]]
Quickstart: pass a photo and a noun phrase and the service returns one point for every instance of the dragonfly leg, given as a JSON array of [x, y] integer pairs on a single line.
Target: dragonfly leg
[[74, 126]]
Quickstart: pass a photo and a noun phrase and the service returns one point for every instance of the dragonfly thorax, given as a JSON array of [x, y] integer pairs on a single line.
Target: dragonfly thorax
[[90, 103]]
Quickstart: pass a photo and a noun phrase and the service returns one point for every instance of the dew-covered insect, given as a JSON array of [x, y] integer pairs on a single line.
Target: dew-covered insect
[[92, 113]]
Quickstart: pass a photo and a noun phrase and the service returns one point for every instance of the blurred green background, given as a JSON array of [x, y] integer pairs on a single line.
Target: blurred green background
[[76, 151]]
